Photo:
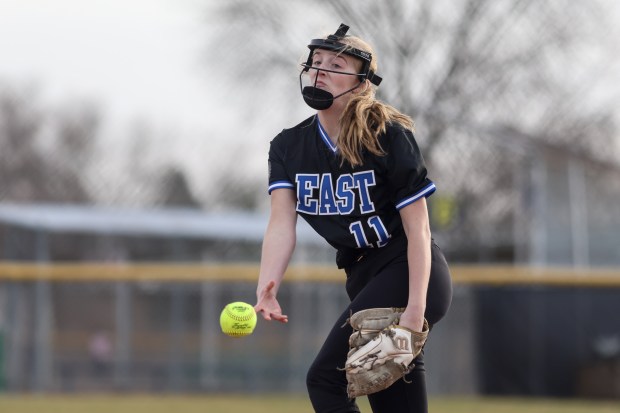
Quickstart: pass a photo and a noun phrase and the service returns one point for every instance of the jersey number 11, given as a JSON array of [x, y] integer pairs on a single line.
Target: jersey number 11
[[357, 229]]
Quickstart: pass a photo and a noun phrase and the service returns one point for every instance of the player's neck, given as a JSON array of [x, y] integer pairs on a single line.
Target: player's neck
[[330, 121]]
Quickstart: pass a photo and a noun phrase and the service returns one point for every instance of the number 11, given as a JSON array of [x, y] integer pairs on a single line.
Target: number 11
[[376, 224]]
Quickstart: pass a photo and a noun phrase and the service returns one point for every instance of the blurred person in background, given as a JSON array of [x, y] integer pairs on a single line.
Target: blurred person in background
[[355, 173], [100, 350]]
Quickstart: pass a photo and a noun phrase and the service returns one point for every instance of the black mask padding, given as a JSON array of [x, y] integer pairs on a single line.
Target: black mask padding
[[317, 99]]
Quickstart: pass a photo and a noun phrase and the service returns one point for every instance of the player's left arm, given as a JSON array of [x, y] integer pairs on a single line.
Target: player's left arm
[[417, 228]]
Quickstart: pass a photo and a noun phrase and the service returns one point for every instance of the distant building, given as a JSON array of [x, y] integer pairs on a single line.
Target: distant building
[[44, 232]]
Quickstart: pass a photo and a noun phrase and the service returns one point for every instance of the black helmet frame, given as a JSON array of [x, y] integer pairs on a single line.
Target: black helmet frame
[[333, 42]]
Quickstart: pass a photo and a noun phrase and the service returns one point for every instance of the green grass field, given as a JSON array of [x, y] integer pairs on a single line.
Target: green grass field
[[275, 404]]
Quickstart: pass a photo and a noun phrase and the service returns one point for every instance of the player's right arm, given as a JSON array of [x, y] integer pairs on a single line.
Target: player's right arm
[[278, 246]]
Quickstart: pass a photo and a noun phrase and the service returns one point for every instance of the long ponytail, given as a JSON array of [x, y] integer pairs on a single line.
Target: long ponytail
[[365, 117]]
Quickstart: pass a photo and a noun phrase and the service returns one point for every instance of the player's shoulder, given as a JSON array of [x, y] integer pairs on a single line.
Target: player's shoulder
[[304, 126], [395, 132], [294, 133]]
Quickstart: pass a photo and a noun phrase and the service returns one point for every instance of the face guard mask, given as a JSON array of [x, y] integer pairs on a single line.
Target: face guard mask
[[320, 99]]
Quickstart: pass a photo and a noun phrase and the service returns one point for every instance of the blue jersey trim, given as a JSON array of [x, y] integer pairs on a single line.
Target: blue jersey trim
[[325, 137], [425, 192], [280, 184]]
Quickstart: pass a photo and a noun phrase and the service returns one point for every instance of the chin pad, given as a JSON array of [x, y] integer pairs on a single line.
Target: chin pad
[[318, 99]]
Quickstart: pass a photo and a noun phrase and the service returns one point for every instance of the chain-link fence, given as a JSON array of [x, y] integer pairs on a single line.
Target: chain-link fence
[[155, 329], [515, 105], [496, 89]]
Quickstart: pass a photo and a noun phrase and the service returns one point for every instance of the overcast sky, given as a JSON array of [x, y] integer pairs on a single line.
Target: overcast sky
[[141, 60], [137, 58]]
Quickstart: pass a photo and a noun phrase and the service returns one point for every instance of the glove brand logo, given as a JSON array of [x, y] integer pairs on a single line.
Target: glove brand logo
[[401, 343]]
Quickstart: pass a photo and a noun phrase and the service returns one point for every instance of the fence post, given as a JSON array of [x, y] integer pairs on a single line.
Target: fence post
[[42, 336], [209, 347], [2, 371], [123, 331]]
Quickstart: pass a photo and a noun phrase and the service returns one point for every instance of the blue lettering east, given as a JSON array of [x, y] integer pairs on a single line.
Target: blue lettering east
[[306, 184], [345, 197], [316, 193], [362, 181], [327, 202]]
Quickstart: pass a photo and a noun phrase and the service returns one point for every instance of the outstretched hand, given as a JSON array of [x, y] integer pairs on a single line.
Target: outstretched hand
[[267, 304]]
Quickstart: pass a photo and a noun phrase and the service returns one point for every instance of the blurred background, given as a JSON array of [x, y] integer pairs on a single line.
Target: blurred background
[[133, 174]]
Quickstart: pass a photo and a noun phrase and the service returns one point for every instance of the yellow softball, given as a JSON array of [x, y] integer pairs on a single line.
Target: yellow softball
[[238, 319]]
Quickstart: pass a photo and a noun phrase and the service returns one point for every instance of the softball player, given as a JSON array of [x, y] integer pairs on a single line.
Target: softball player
[[354, 172]]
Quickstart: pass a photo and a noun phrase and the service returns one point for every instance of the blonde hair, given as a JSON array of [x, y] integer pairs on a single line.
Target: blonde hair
[[365, 117]]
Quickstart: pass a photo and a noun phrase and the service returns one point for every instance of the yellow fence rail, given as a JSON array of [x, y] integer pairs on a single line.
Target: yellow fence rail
[[197, 272]]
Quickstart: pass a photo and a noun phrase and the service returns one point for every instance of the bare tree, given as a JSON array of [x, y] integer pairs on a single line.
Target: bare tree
[[473, 62], [175, 190], [50, 154], [30, 171], [76, 127], [484, 80]]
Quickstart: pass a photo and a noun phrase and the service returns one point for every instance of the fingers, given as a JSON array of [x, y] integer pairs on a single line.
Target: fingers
[[262, 312], [280, 317], [267, 315], [268, 306], [271, 315]]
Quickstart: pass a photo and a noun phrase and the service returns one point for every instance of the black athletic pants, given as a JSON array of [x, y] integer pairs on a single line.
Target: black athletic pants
[[380, 279]]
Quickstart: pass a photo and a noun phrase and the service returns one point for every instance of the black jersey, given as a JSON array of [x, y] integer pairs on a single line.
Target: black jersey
[[351, 208]]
